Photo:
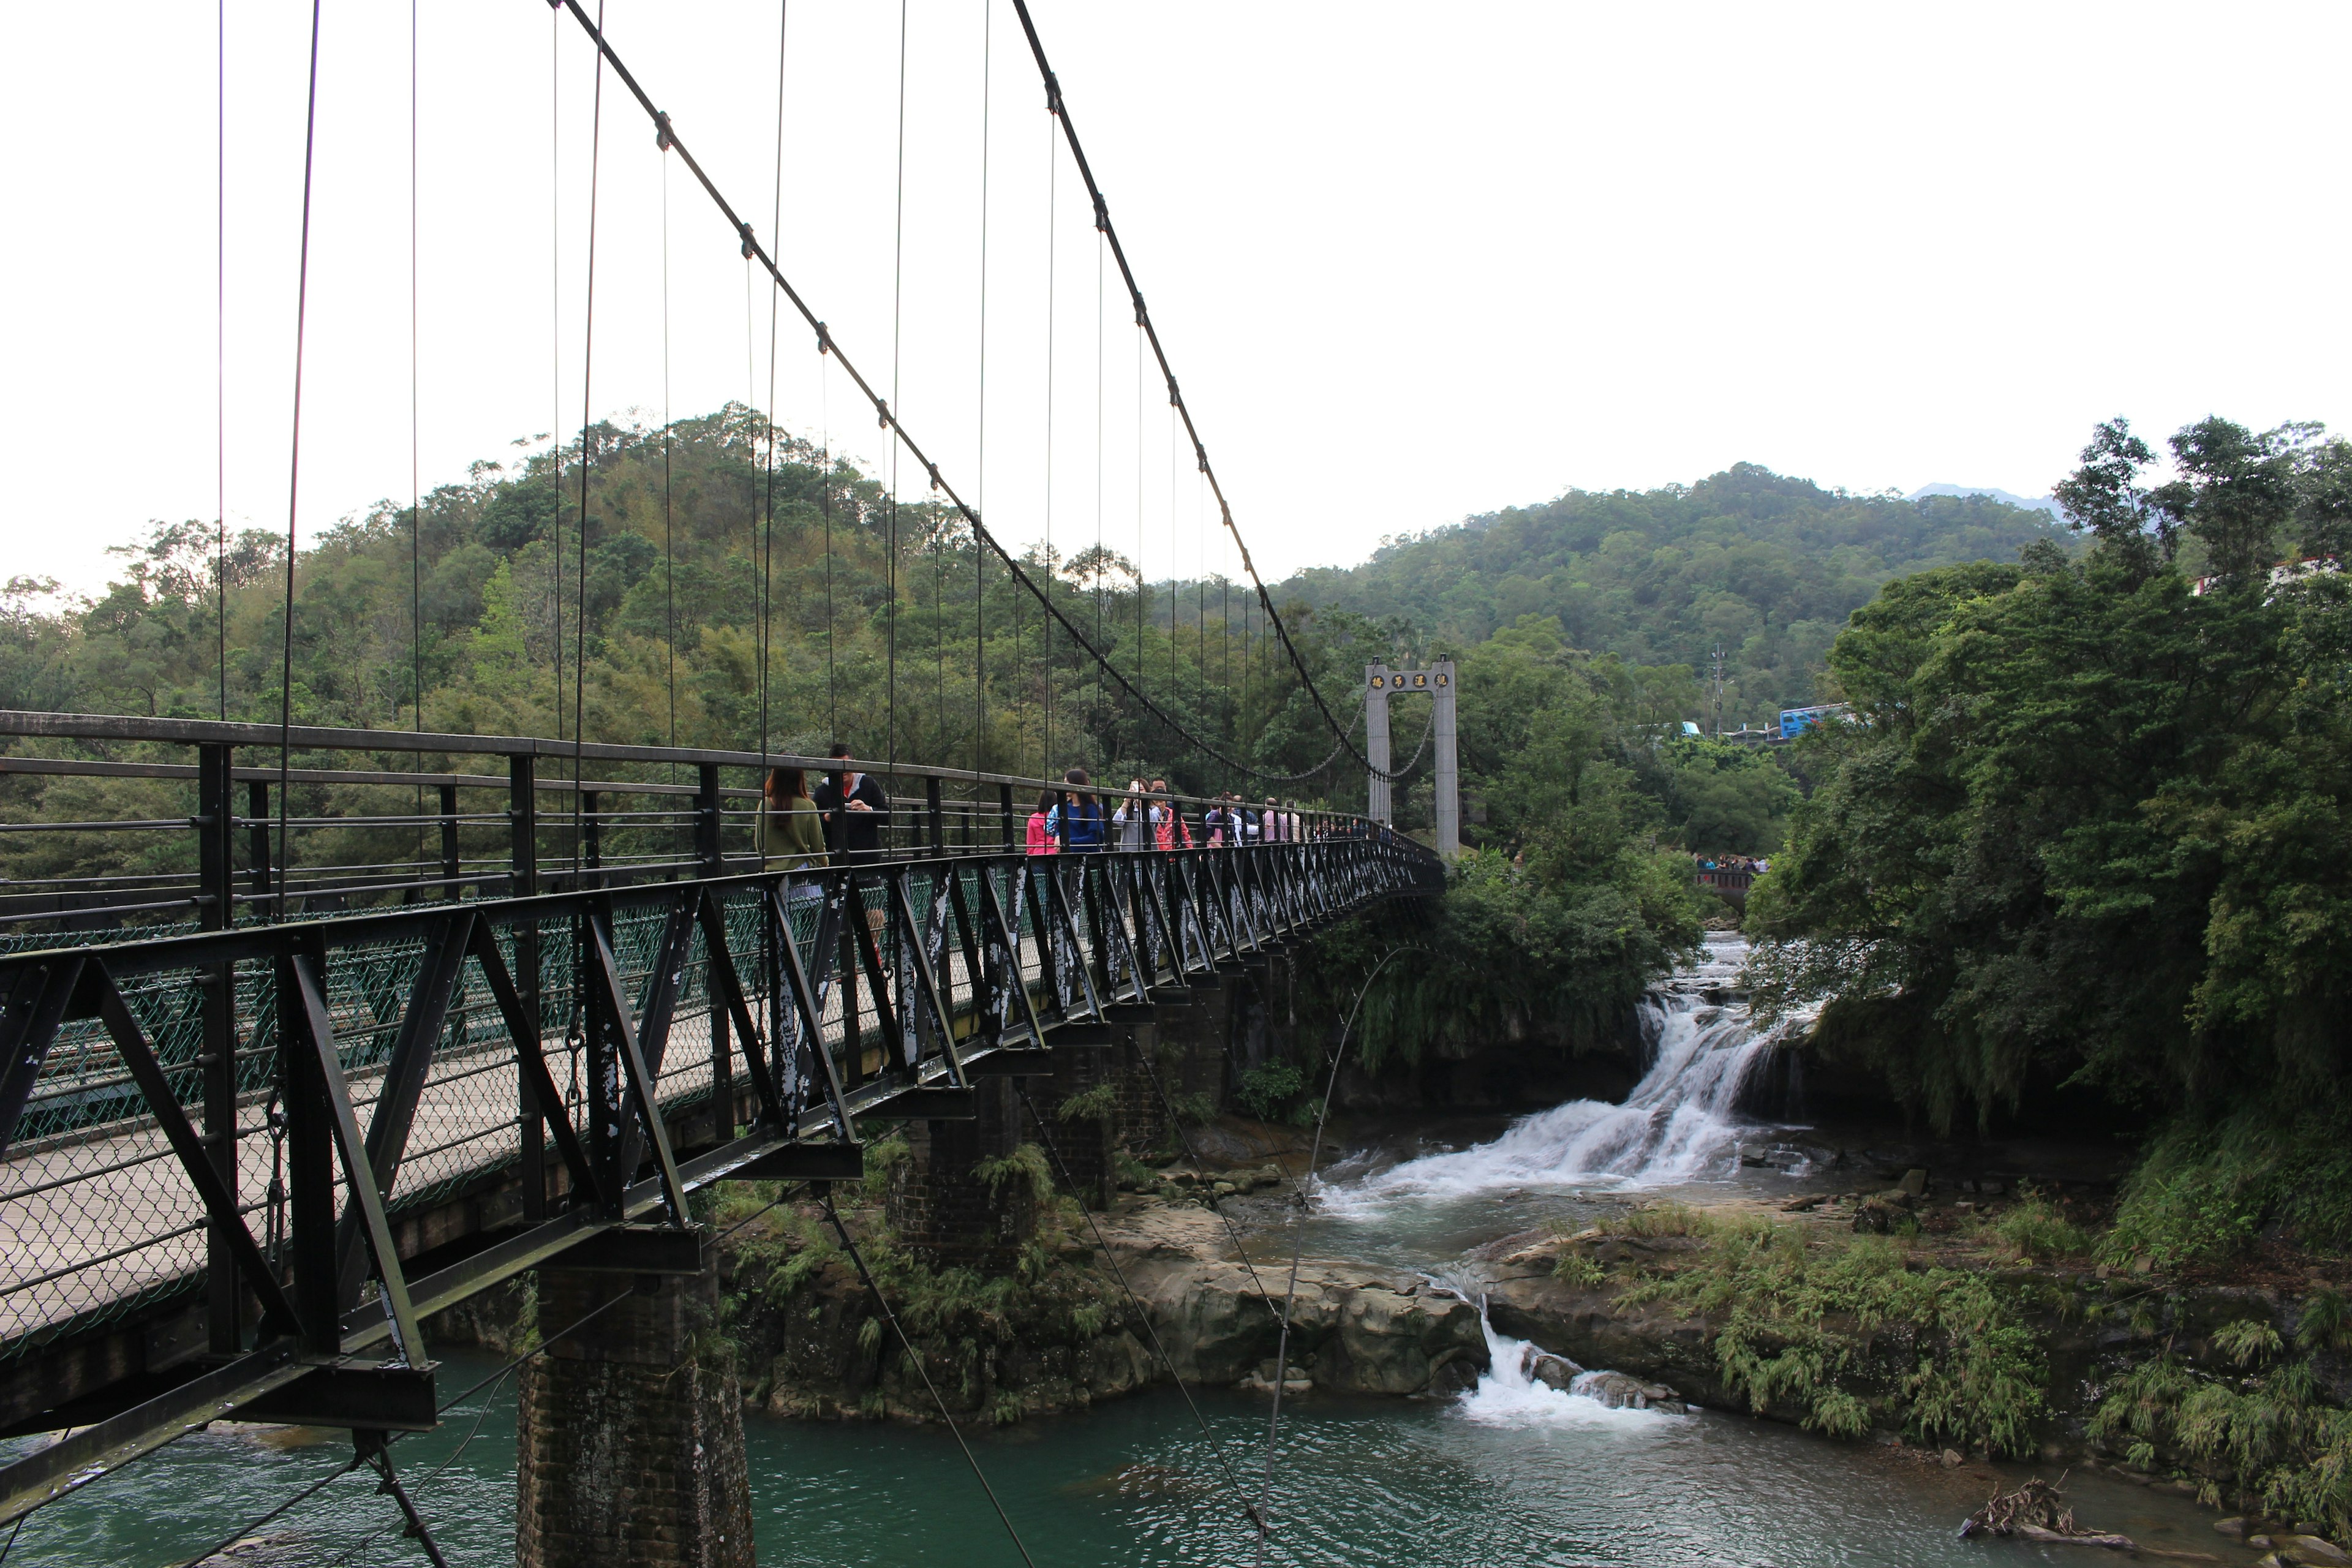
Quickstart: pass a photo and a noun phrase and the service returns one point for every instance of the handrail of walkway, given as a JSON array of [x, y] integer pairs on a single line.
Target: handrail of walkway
[[359, 835], [221, 1148]]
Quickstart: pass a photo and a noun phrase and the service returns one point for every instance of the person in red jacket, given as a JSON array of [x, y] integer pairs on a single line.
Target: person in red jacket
[[1042, 839]]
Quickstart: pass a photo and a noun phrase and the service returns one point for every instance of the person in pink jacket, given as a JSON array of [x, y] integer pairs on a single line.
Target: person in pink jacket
[[1042, 840]]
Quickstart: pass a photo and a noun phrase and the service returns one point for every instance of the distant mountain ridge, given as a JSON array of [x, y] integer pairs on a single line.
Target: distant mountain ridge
[[1765, 566], [2007, 498]]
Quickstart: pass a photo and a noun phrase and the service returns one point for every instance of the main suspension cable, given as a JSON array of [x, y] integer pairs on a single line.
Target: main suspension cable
[[1060, 110], [755, 251]]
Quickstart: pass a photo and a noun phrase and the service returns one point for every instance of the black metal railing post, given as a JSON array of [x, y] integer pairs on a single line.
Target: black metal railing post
[[257, 844], [522, 882], [217, 877], [310, 1158], [592, 837], [708, 848], [450, 867]]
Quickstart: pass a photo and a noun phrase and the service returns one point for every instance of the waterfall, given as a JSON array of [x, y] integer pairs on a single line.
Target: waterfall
[[1675, 1126], [1508, 1394]]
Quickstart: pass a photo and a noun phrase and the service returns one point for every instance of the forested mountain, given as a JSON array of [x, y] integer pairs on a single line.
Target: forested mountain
[[1766, 567], [729, 593]]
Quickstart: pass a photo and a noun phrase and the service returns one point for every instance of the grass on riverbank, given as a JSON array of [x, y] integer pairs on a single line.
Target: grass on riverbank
[[1851, 1331], [1944, 1334]]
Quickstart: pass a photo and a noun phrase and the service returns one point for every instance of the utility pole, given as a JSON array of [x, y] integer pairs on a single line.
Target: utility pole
[[1717, 722]]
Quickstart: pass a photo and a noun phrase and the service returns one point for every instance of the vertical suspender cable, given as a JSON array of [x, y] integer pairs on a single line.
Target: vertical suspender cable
[[1175, 593], [587, 452], [1020, 575], [1139, 595], [294, 467], [980, 487], [768, 550], [555, 336], [1097, 572], [220, 363], [898, 284], [415, 490], [1046, 769], [670, 434], [824, 501]]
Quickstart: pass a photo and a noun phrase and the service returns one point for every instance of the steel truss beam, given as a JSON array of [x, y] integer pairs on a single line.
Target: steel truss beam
[[1006, 960]]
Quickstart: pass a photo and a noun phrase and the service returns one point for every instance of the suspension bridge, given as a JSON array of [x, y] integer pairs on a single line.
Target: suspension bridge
[[370, 1022]]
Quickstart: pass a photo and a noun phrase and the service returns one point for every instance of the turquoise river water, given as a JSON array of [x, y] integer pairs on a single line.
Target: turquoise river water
[[1510, 1473], [1492, 1478]]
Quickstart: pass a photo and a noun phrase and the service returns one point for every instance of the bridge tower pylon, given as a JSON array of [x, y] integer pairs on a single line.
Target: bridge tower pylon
[[1438, 683]]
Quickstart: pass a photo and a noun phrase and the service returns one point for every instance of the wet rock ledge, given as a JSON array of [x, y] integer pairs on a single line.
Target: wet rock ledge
[[1061, 1333]]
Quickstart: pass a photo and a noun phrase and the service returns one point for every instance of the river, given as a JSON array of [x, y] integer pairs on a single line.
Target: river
[[1512, 1472]]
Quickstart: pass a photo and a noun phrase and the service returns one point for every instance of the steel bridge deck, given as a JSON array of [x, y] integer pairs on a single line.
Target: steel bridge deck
[[222, 1150]]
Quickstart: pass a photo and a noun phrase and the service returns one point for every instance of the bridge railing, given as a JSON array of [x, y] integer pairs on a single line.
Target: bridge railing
[[108, 822], [249, 1126]]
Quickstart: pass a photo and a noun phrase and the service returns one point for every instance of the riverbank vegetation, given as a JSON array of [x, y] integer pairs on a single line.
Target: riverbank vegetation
[[1991, 1333], [2087, 837]]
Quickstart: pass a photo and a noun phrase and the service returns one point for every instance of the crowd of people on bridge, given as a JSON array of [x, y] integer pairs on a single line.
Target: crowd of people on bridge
[[841, 817], [1145, 816], [1710, 866]]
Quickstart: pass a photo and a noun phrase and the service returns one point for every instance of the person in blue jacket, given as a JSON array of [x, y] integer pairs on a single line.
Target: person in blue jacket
[[1080, 821]]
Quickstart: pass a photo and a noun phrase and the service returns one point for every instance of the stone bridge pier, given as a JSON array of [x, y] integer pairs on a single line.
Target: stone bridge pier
[[950, 1202], [630, 1431]]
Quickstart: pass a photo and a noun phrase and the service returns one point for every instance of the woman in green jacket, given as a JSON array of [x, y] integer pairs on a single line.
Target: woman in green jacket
[[792, 829]]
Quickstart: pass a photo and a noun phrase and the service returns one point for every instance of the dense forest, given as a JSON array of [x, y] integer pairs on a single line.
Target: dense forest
[[2088, 836], [730, 586], [1764, 567]]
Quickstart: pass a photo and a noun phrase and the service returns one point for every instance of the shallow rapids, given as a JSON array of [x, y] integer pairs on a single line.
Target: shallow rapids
[[1677, 1125]]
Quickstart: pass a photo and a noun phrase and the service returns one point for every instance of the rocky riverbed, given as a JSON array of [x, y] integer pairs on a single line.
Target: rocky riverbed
[[1945, 1347]]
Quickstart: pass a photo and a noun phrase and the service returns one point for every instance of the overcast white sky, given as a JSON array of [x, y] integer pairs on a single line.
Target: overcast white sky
[[1411, 262]]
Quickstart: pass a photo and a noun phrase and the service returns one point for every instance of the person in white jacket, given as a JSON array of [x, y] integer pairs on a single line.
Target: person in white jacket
[[1133, 818]]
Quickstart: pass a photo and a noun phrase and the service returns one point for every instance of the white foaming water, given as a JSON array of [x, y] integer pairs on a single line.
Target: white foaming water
[[1676, 1124], [1508, 1396]]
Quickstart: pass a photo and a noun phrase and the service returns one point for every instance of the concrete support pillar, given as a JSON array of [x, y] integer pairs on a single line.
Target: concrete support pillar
[[630, 1434], [1088, 1143], [943, 1206]]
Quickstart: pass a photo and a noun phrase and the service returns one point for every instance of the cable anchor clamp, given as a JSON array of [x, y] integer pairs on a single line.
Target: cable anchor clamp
[[883, 410], [823, 340], [1102, 214], [662, 137], [1053, 91], [751, 246], [935, 475]]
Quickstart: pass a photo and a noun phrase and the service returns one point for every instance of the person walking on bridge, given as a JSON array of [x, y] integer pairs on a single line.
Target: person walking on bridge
[[856, 808], [1081, 815], [1041, 826], [791, 832], [1169, 830], [1133, 818]]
